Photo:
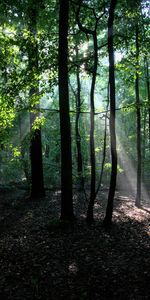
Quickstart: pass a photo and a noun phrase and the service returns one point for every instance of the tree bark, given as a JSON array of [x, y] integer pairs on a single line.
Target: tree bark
[[37, 181], [104, 146], [148, 94], [138, 116], [24, 159], [90, 217], [144, 142], [65, 130], [112, 125], [77, 131]]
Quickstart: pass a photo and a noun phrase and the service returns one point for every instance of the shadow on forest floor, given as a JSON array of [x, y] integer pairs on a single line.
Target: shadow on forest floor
[[44, 258]]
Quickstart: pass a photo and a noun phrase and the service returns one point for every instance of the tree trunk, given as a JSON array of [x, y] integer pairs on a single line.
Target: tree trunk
[[37, 182], [65, 130], [138, 115], [144, 142], [104, 147], [24, 159], [77, 131], [109, 209], [90, 217], [37, 188], [148, 94]]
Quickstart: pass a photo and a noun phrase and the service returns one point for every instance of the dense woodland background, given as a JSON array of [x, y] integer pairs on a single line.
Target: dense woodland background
[[75, 99], [74, 149]]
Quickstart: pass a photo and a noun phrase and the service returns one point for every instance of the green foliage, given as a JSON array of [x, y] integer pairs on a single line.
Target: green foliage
[[24, 87], [39, 121]]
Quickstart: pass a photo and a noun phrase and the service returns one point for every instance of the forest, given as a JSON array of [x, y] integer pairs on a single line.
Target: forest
[[74, 149]]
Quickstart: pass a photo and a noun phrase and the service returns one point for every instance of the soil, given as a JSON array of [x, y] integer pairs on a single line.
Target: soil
[[44, 258]]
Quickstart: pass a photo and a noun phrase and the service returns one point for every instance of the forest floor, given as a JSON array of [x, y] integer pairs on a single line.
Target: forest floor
[[44, 258]]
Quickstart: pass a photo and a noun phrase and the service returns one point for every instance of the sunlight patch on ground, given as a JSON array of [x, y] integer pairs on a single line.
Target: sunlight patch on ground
[[73, 268], [138, 215], [128, 208]]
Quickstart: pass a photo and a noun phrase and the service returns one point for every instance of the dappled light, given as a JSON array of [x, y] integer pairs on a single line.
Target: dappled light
[[74, 150], [73, 269], [127, 179], [73, 259], [127, 205]]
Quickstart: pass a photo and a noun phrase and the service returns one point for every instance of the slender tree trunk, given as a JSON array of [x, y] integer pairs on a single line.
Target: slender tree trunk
[[90, 217], [138, 115], [104, 148], [65, 130], [24, 160], [77, 131], [144, 142], [47, 150], [37, 182], [109, 209], [148, 93]]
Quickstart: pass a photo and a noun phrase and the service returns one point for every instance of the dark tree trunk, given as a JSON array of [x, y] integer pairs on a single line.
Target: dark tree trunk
[[104, 147], [47, 150], [138, 115], [90, 217], [144, 142], [65, 130], [37, 188], [24, 160], [37, 182], [148, 93], [77, 131], [109, 209]]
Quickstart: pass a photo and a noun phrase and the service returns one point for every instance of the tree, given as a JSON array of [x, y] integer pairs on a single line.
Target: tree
[[65, 130], [104, 145], [77, 130], [37, 182], [29, 83], [93, 33], [78, 104], [148, 93], [138, 114], [109, 209]]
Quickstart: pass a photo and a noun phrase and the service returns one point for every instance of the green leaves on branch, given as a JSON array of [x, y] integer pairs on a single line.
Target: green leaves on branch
[[39, 121]]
